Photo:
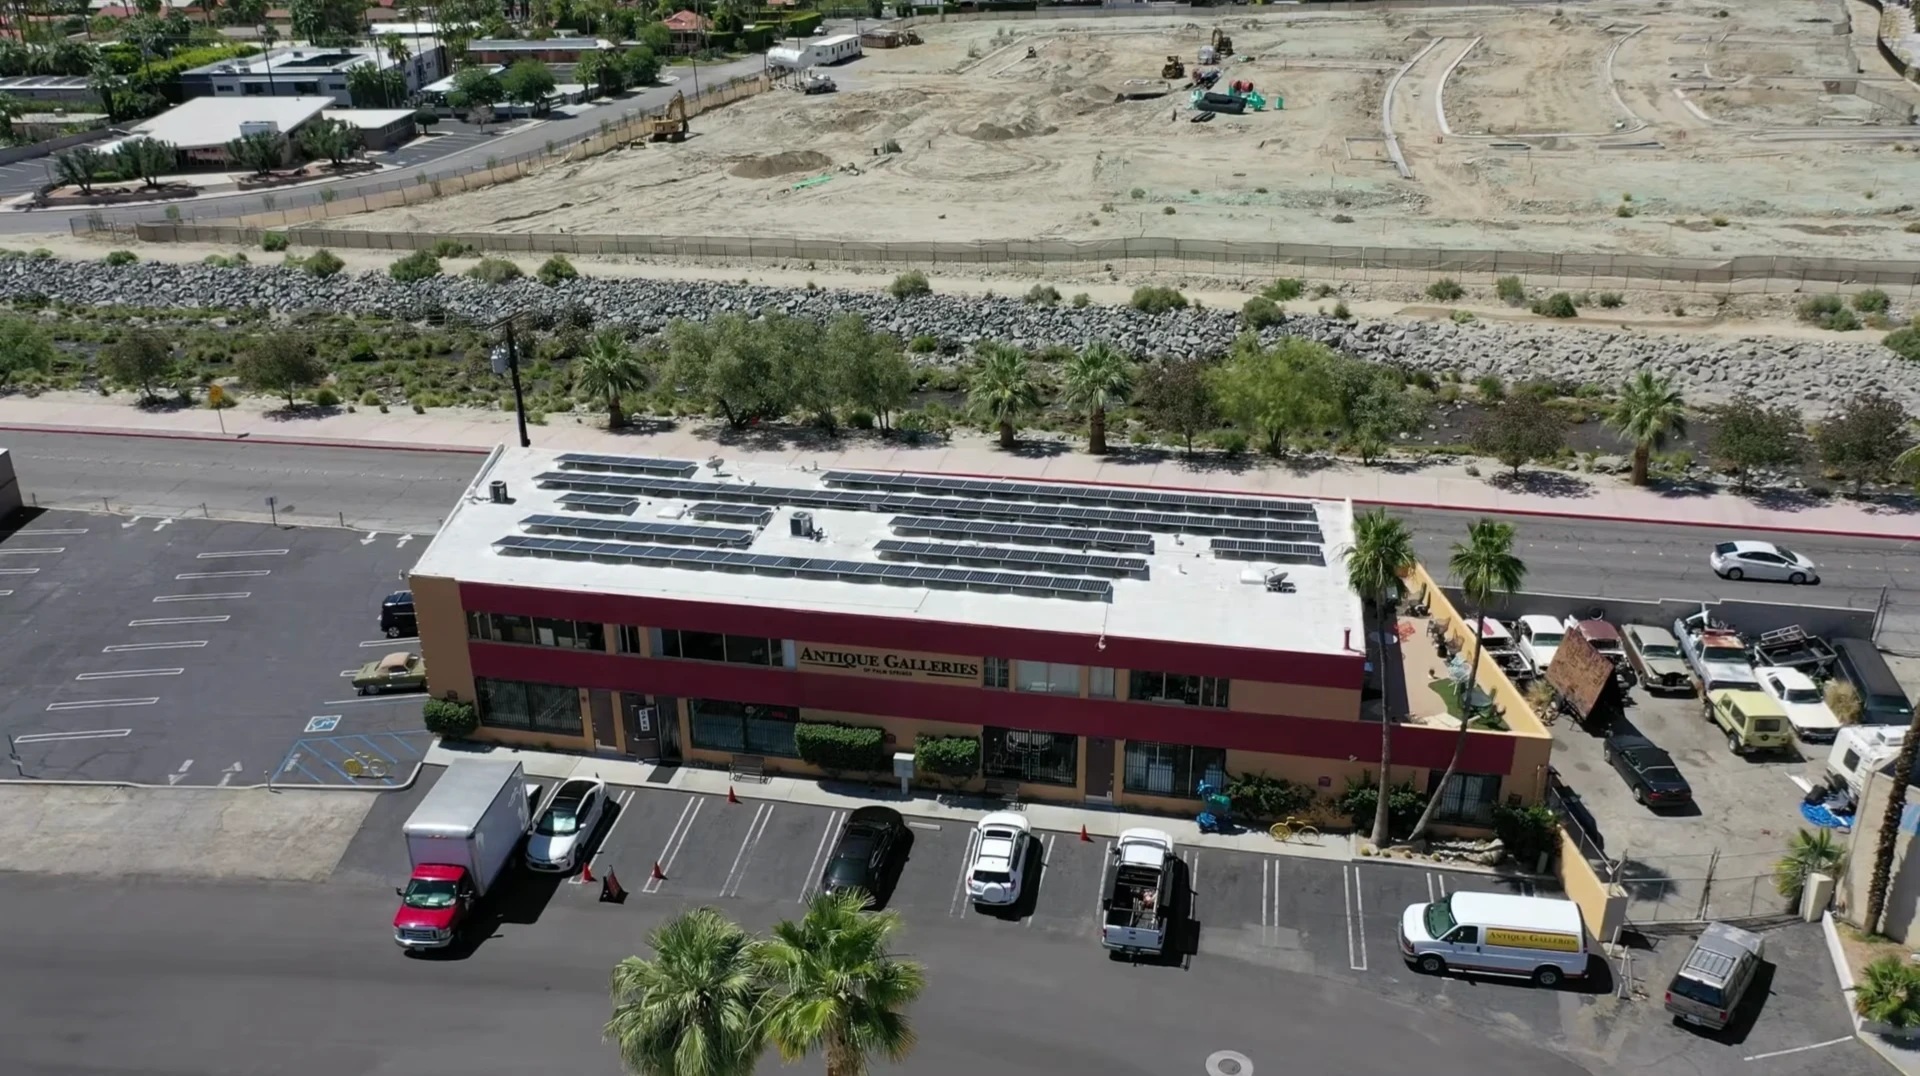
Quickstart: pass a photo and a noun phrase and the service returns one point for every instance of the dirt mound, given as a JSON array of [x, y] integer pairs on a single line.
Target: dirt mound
[[780, 164], [1026, 128]]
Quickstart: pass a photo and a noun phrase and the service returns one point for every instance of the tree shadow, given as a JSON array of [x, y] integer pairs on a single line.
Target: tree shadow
[[163, 405], [645, 426], [1891, 505], [1301, 465], [302, 412], [1218, 463], [1037, 450], [1409, 464], [1676, 488], [1781, 499], [1542, 484]]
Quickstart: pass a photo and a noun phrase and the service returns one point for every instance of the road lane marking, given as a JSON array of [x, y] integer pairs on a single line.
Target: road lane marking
[[135, 521], [231, 595], [762, 814], [128, 674], [157, 621], [102, 704], [92, 734], [254, 574], [243, 553], [175, 778], [676, 839], [163, 524], [227, 774], [4, 593], [1266, 890], [402, 543], [1799, 1049], [127, 648], [813, 868], [30, 551], [371, 535], [1356, 912], [608, 836], [1193, 883]]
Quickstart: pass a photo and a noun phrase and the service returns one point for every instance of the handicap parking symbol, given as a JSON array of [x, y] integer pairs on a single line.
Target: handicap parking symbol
[[325, 723]]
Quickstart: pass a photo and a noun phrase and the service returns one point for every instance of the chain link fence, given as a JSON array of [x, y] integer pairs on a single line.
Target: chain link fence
[[1697, 888]]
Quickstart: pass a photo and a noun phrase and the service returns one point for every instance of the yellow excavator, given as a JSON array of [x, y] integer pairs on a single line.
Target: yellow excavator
[[670, 126], [1222, 45], [1173, 68]]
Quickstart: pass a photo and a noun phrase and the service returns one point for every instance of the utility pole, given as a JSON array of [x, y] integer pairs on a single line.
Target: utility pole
[[507, 359]]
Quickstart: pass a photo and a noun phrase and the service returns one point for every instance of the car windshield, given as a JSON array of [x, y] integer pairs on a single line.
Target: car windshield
[[1695, 990], [1801, 694], [1439, 919], [1787, 553], [1723, 652], [424, 893], [559, 821], [1547, 638], [1659, 650]]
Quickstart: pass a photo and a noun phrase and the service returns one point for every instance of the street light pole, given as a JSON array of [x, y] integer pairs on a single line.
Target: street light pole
[[507, 359]]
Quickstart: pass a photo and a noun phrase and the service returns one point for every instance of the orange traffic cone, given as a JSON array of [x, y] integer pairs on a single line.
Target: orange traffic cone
[[611, 891], [1084, 835], [586, 873], [731, 798], [658, 874]]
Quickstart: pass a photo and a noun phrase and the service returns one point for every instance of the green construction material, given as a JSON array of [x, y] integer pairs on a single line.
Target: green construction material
[[814, 182], [1256, 102]]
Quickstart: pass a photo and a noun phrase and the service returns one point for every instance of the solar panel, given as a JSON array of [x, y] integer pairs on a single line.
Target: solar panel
[[1273, 552], [1025, 533], [732, 513], [587, 461], [860, 501], [1031, 585], [1098, 496], [580, 527], [599, 502], [1037, 560]]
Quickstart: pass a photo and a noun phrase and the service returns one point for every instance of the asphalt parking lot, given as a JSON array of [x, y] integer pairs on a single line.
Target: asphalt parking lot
[[181, 651]]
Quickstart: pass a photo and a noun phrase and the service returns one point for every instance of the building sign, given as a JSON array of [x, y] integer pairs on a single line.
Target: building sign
[[906, 665]]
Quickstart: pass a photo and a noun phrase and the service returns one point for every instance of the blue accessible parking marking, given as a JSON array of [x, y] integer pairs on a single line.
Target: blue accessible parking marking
[[375, 758], [326, 723]]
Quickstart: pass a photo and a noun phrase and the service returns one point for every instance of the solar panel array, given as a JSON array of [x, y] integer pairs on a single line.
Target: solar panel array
[[1041, 586], [732, 513], [860, 501], [587, 461], [1033, 560], [657, 532], [1070, 537], [1276, 552], [1095, 496], [599, 502]]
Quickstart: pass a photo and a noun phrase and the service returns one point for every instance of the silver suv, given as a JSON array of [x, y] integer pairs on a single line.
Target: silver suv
[[1708, 987]]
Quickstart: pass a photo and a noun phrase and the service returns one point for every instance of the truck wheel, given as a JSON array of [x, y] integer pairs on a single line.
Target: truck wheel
[[1432, 965], [1546, 976], [1733, 744]]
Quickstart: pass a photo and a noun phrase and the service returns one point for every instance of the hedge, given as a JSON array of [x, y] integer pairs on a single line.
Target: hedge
[[449, 718], [956, 757], [841, 747]]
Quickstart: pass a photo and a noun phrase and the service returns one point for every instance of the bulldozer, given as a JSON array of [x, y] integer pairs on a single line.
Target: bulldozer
[[1222, 45], [1173, 68], [670, 126]]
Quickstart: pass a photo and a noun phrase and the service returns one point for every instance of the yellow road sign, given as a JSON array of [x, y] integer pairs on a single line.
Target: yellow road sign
[[216, 395]]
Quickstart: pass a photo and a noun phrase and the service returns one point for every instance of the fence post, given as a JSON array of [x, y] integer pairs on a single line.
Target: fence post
[[1706, 888]]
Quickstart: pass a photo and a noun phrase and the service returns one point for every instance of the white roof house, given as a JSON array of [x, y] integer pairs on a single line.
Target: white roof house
[[212, 122]]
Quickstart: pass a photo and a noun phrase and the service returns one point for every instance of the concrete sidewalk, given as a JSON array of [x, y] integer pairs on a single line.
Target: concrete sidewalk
[[1409, 485]]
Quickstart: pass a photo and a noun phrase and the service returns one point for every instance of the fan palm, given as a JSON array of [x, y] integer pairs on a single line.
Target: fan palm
[[693, 1010], [1889, 993], [1381, 552], [1097, 378], [1484, 566], [1003, 390], [1648, 411], [1808, 852], [609, 370], [834, 985]]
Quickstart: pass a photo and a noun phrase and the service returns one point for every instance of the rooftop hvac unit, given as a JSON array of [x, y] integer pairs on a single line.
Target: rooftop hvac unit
[[802, 523], [497, 492], [253, 127]]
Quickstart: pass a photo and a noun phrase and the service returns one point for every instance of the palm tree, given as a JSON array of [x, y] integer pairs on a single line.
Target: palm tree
[[1889, 838], [1097, 378], [395, 48], [1808, 852], [1381, 552], [1889, 993], [693, 1010], [609, 369], [1002, 389], [834, 986], [1483, 565], [1648, 411]]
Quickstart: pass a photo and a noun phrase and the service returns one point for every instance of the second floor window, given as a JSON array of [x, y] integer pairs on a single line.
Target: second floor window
[[536, 631], [1177, 687], [713, 646], [993, 672], [1047, 678]]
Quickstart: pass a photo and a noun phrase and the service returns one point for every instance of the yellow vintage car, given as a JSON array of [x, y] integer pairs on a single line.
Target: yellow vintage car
[[1751, 720], [398, 671]]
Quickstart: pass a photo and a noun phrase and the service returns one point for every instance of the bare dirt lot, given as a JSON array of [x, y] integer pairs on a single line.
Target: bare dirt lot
[[1673, 129]]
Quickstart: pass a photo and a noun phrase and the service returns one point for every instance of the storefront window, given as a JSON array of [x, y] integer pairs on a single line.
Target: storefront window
[[1177, 687], [1166, 769], [514, 704], [1468, 799], [1047, 678], [1044, 758], [742, 727]]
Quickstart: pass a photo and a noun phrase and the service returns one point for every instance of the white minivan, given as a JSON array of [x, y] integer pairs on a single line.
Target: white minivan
[[1536, 938]]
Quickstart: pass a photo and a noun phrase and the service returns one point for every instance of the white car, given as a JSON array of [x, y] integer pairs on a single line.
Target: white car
[[1801, 698], [560, 834], [1539, 637], [1761, 560], [999, 859]]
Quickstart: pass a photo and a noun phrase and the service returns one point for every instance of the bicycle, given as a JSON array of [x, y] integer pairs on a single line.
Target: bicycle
[[1294, 827]]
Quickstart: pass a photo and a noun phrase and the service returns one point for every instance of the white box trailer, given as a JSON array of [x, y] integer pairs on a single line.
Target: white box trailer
[[797, 54]]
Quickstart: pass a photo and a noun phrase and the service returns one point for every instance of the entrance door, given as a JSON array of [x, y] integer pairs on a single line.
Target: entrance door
[[666, 725], [1100, 768], [600, 704], [642, 725]]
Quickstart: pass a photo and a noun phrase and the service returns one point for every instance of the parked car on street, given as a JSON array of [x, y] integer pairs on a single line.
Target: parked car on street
[[398, 671], [1539, 636], [561, 832], [999, 866], [865, 850], [1751, 720], [1806, 707], [1656, 656], [1649, 771], [1761, 560]]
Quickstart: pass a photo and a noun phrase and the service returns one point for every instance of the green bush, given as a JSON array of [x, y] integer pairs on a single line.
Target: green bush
[[1043, 295], [1260, 312], [1557, 305], [495, 271], [1261, 798], [1510, 290], [1904, 343], [1610, 300], [841, 748], [420, 265], [1446, 289], [1081, 299], [121, 257], [1872, 301], [370, 398], [1230, 442], [452, 248], [454, 720], [1491, 388], [322, 263], [1889, 993], [1403, 805], [909, 284], [273, 242], [555, 269], [924, 344], [1158, 300], [1526, 831], [956, 758], [1828, 312], [326, 397], [1285, 290]]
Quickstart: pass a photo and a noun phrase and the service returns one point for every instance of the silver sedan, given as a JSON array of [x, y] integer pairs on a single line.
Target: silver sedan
[[1761, 560]]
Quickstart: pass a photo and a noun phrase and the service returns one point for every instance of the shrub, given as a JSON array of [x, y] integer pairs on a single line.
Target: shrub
[[121, 257], [1229, 442], [1342, 218], [1462, 317], [1526, 831], [326, 397], [554, 270], [956, 758], [1610, 300], [1904, 343], [1719, 221], [370, 398], [1168, 211], [1043, 295], [1624, 210], [452, 248], [1340, 311], [1137, 193], [1842, 321], [1446, 289], [1491, 388], [495, 271], [909, 284], [1844, 700], [1285, 290], [841, 748], [1081, 299], [1266, 799], [1871, 301], [446, 717], [1510, 290], [1889, 993], [1557, 305], [420, 265], [924, 344], [273, 242], [322, 263], [1260, 312], [1158, 300], [1403, 805]]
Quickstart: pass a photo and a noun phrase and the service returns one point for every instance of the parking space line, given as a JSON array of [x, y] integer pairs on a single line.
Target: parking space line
[[1046, 864], [94, 734], [1192, 856], [762, 815], [224, 575], [813, 868], [4, 593], [390, 642], [1100, 892], [127, 648], [68, 530], [676, 839], [18, 571], [243, 553], [232, 595], [158, 621], [376, 749], [1356, 918], [957, 906], [415, 697], [29, 551], [128, 674], [608, 836], [102, 704], [1799, 1049]]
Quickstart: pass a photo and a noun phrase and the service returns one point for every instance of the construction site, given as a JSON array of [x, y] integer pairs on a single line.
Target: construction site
[[1677, 129]]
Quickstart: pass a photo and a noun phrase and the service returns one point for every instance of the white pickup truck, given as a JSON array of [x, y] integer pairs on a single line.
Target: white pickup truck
[[1137, 912]]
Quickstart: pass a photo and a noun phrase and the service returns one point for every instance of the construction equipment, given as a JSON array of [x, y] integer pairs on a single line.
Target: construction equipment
[[911, 38], [1222, 44], [671, 125], [1175, 67], [814, 82]]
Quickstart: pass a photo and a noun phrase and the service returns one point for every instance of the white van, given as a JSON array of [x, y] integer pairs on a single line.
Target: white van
[[1497, 934]]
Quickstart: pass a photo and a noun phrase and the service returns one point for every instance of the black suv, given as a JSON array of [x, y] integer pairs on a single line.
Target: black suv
[[396, 615]]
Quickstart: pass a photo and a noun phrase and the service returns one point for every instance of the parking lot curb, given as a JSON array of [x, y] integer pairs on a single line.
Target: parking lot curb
[[56, 782], [245, 438]]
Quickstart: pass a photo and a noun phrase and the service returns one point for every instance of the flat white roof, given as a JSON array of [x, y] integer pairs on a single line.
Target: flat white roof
[[836, 39], [1160, 583], [370, 119], [446, 84], [1517, 913], [215, 121], [302, 60]]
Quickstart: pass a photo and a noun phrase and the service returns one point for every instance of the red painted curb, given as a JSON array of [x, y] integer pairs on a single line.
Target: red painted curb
[[242, 439]]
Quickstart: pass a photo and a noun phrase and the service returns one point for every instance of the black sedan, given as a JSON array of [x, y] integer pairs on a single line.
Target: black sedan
[[1649, 771], [868, 843]]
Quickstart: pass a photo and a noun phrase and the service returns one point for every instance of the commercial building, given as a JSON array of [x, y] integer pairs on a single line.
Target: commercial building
[[381, 129], [556, 51], [202, 127], [308, 71], [1113, 645], [51, 89]]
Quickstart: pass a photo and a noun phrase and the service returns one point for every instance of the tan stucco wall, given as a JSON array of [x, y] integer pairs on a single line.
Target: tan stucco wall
[[443, 636], [1294, 700], [1602, 907]]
